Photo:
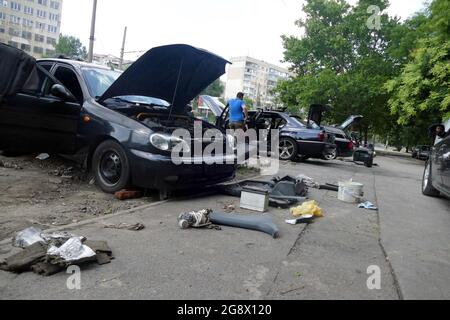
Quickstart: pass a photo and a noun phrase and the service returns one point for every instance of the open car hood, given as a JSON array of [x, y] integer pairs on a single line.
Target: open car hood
[[18, 71], [213, 104], [175, 73], [350, 121]]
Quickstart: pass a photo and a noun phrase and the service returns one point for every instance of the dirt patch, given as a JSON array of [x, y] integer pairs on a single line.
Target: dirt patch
[[49, 193]]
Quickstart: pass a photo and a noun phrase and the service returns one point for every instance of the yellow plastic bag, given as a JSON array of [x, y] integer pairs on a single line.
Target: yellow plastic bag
[[307, 208]]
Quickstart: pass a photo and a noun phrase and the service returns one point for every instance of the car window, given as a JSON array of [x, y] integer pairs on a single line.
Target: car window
[[99, 80], [69, 79], [37, 83]]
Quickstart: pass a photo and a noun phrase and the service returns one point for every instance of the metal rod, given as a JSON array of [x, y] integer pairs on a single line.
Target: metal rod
[[92, 36], [122, 51]]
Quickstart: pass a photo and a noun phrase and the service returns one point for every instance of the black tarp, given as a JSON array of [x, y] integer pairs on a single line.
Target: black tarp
[[18, 71]]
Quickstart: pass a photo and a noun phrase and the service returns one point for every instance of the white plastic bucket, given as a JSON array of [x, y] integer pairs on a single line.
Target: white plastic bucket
[[351, 192]]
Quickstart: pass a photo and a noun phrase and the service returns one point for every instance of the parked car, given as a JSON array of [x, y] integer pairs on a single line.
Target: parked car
[[436, 177], [344, 143], [117, 124], [421, 152], [298, 139]]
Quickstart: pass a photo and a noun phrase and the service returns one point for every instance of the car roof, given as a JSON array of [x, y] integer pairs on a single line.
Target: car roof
[[74, 63]]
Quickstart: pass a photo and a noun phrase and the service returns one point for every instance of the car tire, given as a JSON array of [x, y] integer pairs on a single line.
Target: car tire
[[111, 167], [427, 185], [288, 149], [331, 156]]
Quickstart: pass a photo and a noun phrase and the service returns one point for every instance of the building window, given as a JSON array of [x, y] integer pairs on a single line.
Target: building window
[[2, 16], [14, 32], [51, 41], [25, 47], [13, 44], [40, 26], [53, 17], [50, 52], [54, 5], [27, 35], [16, 6], [52, 29], [27, 22], [28, 10], [14, 19], [41, 14], [3, 3], [42, 2], [2, 30], [38, 38], [39, 50]]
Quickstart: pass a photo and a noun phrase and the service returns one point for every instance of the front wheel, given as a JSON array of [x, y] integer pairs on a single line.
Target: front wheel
[[111, 167], [331, 155], [427, 186]]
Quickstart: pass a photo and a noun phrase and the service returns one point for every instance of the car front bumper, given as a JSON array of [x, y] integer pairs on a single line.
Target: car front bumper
[[155, 171]]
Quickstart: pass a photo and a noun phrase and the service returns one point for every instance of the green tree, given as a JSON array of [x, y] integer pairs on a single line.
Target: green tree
[[342, 62], [215, 89], [70, 47], [422, 91]]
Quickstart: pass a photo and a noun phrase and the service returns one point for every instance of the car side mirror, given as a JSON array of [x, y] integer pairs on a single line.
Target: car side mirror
[[61, 92]]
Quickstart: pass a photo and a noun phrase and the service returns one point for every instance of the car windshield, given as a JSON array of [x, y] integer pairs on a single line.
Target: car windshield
[[145, 100], [99, 80]]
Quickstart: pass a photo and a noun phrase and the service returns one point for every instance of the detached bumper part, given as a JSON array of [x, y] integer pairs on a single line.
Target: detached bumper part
[[258, 223]]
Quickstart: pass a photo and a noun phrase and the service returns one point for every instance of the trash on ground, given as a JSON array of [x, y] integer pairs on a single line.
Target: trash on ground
[[258, 223], [43, 156], [195, 219], [306, 209], [283, 192], [126, 226], [330, 187], [351, 192], [367, 205], [303, 219], [27, 237], [49, 253], [128, 194], [254, 199], [310, 182], [73, 251]]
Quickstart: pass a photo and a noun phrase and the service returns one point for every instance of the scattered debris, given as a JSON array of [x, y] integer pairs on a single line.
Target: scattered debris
[[128, 194], [306, 209], [308, 218], [10, 165], [367, 205], [283, 192], [351, 192], [258, 223], [49, 253], [126, 226], [43, 156], [194, 219], [254, 199]]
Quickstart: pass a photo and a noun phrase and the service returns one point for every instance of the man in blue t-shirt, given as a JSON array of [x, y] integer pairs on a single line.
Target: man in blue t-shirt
[[238, 112]]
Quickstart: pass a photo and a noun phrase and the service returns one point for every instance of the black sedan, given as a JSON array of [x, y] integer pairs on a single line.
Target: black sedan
[[436, 177], [421, 152], [118, 124], [298, 139]]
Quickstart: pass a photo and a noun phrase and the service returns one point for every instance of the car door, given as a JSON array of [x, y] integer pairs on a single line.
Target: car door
[[445, 164], [37, 121]]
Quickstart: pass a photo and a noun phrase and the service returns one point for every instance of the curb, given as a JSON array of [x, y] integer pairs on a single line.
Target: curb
[[393, 154]]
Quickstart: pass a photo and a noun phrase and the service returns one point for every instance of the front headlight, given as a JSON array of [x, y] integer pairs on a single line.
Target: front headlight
[[165, 142]]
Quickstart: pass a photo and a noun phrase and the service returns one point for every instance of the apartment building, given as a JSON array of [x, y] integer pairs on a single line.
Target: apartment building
[[31, 25], [255, 78]]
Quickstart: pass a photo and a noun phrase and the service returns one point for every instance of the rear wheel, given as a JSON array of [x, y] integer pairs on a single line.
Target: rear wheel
[[288, 149], [111, 167], [331, 155], [427, 186]]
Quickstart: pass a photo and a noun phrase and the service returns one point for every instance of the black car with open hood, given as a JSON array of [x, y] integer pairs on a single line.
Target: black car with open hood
[[119, 124]]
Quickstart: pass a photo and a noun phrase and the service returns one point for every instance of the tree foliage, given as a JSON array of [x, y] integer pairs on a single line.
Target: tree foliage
[[71, 47], [215, 89], [391, 75]]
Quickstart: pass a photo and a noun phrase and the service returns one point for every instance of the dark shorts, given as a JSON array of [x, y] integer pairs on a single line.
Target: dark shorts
[[237, 125]]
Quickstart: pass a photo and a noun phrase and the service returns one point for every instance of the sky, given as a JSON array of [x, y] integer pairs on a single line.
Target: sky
[[228, 28]]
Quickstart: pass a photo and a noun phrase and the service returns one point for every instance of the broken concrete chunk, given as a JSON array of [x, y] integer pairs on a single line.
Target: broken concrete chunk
[[23, 260]]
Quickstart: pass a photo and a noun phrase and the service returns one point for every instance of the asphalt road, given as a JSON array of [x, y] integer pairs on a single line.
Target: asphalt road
[[407, 241]]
